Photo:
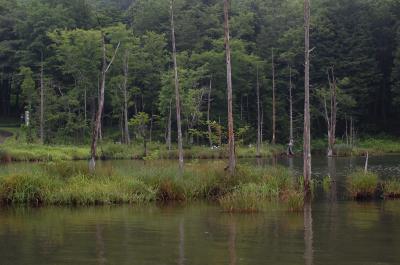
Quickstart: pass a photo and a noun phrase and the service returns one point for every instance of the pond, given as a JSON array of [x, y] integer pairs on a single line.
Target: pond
[[330, 231]]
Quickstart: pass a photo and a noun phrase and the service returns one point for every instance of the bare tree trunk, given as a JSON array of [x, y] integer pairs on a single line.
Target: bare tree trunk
[[346, 134], [169, 125], [262, 125], [85, 105], [177, 100], [97, 124], [290, 103], [331, 118], [307, 133], [127, 139], [273, 100], [208, 114], [151, 127], [366, 164], [241, 108], [231, 136], [290, 151], [258, 117], [41, 102]]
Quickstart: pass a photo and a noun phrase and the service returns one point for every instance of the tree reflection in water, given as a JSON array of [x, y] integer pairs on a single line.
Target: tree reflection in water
[[181, 260], [101, 260], [308, 233]]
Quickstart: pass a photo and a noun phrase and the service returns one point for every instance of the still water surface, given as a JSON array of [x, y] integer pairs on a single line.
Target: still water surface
[[330, 231]]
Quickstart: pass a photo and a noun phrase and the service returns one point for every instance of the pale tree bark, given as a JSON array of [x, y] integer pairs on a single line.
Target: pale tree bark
[[291, 141], [290, 103], [127, 139], [258, 117], [169, 125], [273, 100], [208, 114], [41, 101], [97, 123], [177, 97], [306, 132], [151, 127], [262, 124], [231, 136], [331, 117]]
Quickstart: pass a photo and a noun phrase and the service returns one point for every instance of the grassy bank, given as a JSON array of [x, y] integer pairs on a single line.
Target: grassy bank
[[370, 145], [63, 184], [12, 151]]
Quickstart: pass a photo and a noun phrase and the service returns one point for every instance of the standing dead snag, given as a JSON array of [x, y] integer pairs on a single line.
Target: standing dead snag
[[208, 114], [96, 127], [331, 117], [231, 136], [177, 97], [127, 139], [306, 132], [273, 100], [258, 117], [41, 101], [291, 140]]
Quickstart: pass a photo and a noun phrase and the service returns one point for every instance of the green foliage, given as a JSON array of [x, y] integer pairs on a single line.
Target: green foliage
[[361, 184], [69, 184], [67, 35], [391, 189]]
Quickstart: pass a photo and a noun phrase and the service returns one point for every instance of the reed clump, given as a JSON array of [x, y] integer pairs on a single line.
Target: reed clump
[[391, 189], [62, 183], [362, 185], [271, 184]]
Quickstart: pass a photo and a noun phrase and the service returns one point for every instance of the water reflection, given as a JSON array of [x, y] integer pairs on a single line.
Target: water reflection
[[101, 260], [308, 233], [232, 241], [181, 260], [352, 233]]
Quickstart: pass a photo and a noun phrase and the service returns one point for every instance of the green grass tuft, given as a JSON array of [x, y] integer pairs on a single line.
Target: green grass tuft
[[362, 185]]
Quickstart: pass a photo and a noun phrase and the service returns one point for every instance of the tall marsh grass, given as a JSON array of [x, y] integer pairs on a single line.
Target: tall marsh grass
[[362, 185], [62, 183]]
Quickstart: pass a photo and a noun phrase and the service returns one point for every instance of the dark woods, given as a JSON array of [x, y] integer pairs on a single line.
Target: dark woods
[[51, 63]]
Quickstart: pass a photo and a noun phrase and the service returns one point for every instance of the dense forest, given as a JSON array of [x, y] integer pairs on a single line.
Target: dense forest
[[51, 61]]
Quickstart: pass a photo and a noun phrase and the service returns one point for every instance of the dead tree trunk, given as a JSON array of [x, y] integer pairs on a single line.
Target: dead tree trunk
[[41, 102], [127, 139], [169, 125], [273, 101], [258, 117], [306, 132], [208, 114], [177, 97], [262, 125], [290, 151], [291, 104], [96, 129], [231, 136], [331, 117]]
